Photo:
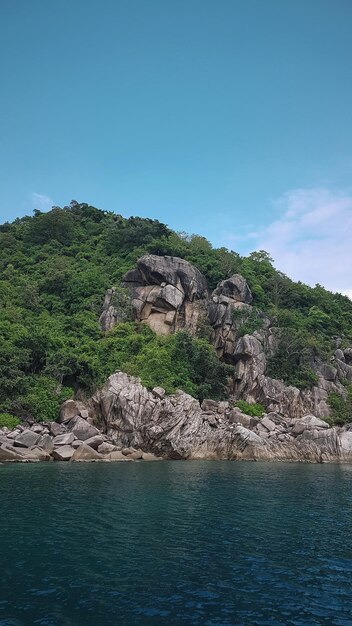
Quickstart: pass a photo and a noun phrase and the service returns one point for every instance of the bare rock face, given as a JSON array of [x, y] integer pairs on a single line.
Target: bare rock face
[[177, 427], [174, 426], [166, 293], [109, 315]]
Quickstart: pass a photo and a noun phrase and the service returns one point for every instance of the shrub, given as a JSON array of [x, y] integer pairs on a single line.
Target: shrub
[[341, 408], [10, 421], [254, 410], [43, 398], [246, 321], [291, 362]]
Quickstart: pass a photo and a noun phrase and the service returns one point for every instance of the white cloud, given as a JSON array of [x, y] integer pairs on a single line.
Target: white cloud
[[41, 202], [312, 239]]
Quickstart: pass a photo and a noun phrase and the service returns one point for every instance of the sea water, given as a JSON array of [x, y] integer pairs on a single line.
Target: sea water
[[175, 543]]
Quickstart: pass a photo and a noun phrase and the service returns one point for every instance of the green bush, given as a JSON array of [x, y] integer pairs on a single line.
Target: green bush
[[10, 421], [42, 400], [341, 408], [247, 322], [254, 410], [292, 359]]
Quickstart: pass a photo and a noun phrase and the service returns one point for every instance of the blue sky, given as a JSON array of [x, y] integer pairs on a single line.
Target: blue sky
[[229, 118]]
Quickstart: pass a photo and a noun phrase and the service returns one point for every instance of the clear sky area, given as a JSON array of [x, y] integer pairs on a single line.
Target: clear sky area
[[227, 118]]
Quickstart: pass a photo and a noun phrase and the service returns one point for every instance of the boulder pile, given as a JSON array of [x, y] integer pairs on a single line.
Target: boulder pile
[[72, 438]]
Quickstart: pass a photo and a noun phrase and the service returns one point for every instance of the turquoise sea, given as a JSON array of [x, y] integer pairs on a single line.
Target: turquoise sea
[[176, 543]]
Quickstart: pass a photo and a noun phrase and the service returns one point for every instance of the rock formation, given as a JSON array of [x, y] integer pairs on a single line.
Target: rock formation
[[169, 294], [74, 439], [166, 293], [141, 425], [178, 427]]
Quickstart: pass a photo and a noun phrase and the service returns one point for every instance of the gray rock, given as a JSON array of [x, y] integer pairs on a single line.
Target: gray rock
[[76, 443], [46, 443], [348, 355], [237, 417], [339, 354], [56, 429], [69, 409], [37, 428], [38, 453], [26, 439], [235, 288], [268, 424], [106, 448], [310, 422], [328, 372], [9, 453], [63, 453], [64, 440], [158, 392], [346, 445], [210, 405], [135, 456], [118, 456], [128, 451], [148, 456], [13, 434], [110, 314], [165, 293], [95, 441], [81, 428], [85, 453]]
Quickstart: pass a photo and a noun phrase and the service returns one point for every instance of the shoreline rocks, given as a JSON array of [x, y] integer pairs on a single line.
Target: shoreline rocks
[[68, 441], [142, 425], [178, 427]]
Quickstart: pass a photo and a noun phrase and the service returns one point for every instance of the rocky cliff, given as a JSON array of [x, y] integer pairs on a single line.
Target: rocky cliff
[[178, 427], [169, 294]]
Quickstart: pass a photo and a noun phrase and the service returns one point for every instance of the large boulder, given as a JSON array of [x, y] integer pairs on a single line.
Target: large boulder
[[95, 441], [9, 453], [166, 293], [46, 443], [81, 428], [64, 440], [235, 288], [63, 453], [26, 439], [85, 453], [308, 422], [69, 409]]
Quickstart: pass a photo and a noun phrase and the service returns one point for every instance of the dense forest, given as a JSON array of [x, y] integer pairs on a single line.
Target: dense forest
[[54, 270]]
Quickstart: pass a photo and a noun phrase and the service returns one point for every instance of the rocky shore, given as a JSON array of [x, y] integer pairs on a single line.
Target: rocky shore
[[75, 438], [141, 425], [126, 421]]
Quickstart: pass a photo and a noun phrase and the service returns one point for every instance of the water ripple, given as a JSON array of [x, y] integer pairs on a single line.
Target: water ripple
[[200, 543]]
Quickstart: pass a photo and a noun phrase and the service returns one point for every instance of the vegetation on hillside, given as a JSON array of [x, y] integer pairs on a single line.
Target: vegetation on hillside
[[54, 270]]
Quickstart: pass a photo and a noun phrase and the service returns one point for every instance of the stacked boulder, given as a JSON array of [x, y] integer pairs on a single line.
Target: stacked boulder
[[72, 438]]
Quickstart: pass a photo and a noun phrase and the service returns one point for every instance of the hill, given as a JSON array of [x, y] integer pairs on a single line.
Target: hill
[[55, 270]]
